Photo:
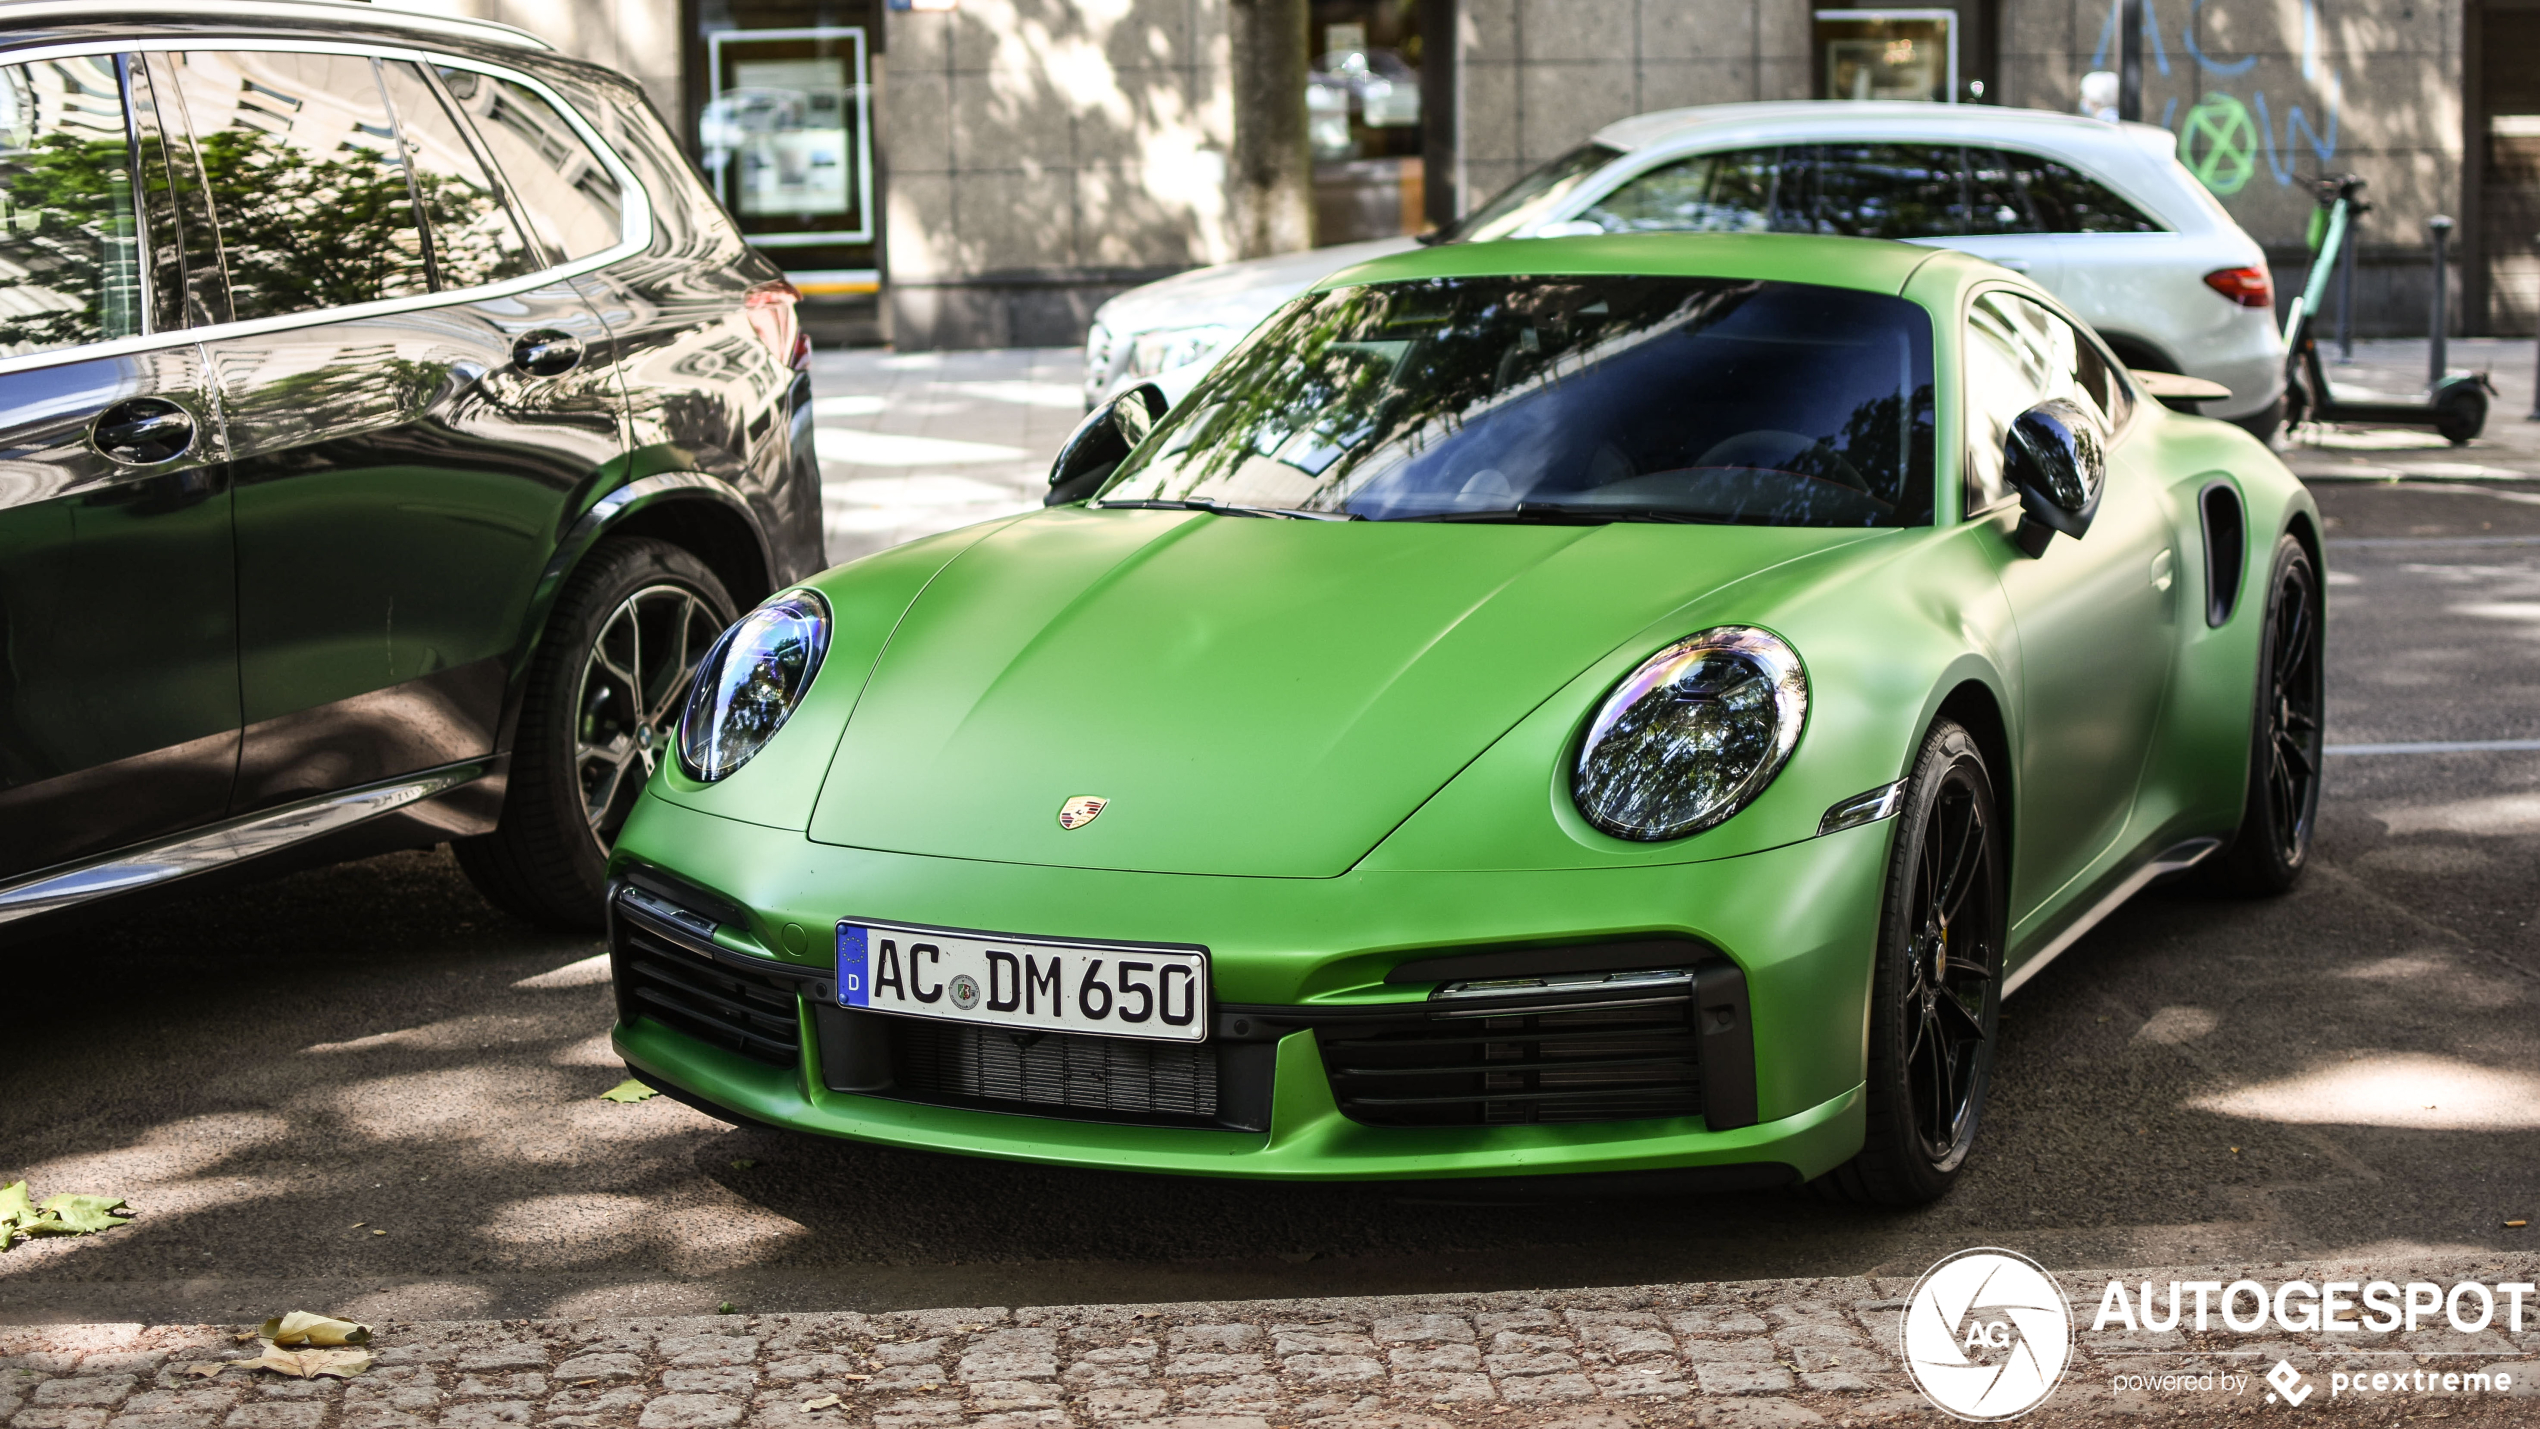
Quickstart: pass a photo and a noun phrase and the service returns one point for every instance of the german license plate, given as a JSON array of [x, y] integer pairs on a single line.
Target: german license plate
[[1155, 993]]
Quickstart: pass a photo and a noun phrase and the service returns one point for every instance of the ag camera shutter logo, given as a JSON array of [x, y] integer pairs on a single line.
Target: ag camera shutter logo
[[1987, 1335]]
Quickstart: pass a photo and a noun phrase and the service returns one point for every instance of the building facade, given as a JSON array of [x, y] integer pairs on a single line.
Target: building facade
[[962, 173]]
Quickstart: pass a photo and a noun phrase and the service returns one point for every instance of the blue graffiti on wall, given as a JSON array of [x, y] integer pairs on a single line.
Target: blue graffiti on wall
[[2219, 140]]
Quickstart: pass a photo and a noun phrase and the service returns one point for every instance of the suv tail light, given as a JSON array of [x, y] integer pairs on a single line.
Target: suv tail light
[[2249, 287], [770, 309]]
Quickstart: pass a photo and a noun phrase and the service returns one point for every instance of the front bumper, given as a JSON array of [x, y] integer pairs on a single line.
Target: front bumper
[[1798, 922]]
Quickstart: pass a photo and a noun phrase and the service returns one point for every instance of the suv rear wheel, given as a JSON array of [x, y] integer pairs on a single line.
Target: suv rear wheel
[[602, 707]]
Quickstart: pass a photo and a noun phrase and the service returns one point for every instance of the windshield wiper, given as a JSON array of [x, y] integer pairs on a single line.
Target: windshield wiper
[[1285, 513], [1560, 513]]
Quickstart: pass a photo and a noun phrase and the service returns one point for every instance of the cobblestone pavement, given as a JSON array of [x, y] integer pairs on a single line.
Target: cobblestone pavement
[[1759, 1353]]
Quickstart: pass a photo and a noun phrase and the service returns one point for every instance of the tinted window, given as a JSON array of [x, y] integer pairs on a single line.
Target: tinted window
[[1898, 191], [70, 252], [2018, 355], [2069, 201], [475, 237], [571, 199], [1738, 192], [1564, 399], [1533, 196], [308, 183]]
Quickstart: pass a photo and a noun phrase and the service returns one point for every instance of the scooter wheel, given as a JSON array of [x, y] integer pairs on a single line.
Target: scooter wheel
[[2460, 413]]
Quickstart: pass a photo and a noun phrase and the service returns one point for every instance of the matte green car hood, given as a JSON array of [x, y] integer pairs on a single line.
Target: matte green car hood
[[1262, 697]]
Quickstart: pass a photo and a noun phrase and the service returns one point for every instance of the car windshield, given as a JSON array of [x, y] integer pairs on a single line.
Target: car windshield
[[1530, 199], [1561, 399]]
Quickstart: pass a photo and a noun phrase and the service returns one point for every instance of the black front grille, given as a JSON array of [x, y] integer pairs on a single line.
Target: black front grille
[[692, 991], [1053, 1071], [1454, 1067]]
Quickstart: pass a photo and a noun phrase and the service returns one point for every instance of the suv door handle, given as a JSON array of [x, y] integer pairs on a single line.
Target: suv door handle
[[547, 353], [144, 431]]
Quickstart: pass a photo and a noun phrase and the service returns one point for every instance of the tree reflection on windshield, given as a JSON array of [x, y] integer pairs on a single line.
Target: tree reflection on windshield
[[1567, 398]]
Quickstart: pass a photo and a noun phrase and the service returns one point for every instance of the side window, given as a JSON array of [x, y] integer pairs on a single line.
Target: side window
[[475, 237], [2019, 354], [1890, 191], [2070, 201], [70, 242], [1739, 192], [572, 200], [309, 186]]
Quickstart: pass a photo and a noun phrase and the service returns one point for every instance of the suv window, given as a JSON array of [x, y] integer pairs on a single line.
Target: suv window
[[2070, 201], [2018, 354], [1530, 197], [70, 250], [1737, 192], [1897, 191], [476, 239], [572, 200], [308, 182]]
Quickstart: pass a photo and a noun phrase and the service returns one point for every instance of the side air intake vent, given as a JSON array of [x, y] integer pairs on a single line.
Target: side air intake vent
[[669, 969], [2226, 550]]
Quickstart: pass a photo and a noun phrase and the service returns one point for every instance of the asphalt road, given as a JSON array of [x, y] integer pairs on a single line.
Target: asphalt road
[[275, 1076]]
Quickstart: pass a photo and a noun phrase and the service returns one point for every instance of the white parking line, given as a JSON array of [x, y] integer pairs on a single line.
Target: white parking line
[[2438, 746]]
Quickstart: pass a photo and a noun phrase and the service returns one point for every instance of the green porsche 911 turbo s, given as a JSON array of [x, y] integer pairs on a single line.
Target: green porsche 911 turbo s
[[1576, 707]]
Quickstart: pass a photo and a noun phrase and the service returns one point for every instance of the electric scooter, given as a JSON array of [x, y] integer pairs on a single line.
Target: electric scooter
[[2455, 405]]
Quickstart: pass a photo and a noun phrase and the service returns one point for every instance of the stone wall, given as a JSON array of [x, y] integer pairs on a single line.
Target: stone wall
[[1540, 76], [637, 38], [1042, 155]]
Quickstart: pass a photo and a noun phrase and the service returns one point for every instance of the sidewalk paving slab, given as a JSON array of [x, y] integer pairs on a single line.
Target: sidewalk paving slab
[[1773, 1354]]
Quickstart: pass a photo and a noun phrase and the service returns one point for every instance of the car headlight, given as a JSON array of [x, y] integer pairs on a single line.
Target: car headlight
[[1163, 349], [750, 683], [1692, 736]]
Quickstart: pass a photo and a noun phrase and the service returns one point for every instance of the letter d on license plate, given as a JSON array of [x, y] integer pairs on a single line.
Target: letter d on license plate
[[1151, 991]]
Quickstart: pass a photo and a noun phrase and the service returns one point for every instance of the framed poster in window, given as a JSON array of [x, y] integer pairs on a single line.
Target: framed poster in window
[[787, 136], [1888, 54]]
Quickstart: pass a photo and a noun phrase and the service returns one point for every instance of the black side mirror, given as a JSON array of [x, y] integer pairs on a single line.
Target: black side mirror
[[1101, 442], [2057, 459]]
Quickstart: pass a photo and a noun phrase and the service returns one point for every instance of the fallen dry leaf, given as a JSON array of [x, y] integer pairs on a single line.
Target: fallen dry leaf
[[302, 1328], [311, 1364], [826, 1401], [206, 1368], [629, 1090], [59, 1215]]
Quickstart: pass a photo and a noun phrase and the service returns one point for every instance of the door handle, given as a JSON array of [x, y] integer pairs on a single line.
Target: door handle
[[143, 431], [547, 353]]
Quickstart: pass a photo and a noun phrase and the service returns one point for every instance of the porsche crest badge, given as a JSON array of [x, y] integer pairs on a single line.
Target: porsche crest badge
[[1080, 811]]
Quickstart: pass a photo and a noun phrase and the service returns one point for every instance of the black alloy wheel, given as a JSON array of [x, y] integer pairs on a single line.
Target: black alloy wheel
[[605, 693], [1936, 992], [2288, 735]]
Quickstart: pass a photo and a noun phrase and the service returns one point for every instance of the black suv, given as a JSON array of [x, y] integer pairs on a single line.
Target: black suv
[[389, 420]]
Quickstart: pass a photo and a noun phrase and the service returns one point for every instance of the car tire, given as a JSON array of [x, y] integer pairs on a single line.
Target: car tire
[[2265, 422], [1936, 989], [2280, 806], [625, 636]]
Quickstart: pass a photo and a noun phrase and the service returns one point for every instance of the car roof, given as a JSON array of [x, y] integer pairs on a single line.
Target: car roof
[[335, 16], [1904, 119], [1870, 264]]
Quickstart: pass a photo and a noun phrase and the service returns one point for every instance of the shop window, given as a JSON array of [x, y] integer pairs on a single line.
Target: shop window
[[783, 125], [1365, 120], [1887, 54]]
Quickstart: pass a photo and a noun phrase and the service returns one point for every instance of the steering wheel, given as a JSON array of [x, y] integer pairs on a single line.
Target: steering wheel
[[1770, 450]]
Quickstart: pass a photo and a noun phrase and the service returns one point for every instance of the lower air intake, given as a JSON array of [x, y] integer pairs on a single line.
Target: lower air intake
[[1619, 1063], [1054, 1070]]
